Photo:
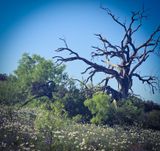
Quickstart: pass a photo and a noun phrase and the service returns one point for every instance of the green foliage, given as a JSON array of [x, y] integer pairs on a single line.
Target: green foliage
[[9, 91], [73, 99], [150, 105], [152, 119], [19, 132], [104, 112], [38, 77], [16, 129], [35, 77], [74, 104], [77, 118], [50, 116], [126, 113], [36, 68], [98, 105]]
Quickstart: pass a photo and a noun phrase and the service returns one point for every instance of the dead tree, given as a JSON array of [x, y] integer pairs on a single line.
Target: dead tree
[[130, 55]]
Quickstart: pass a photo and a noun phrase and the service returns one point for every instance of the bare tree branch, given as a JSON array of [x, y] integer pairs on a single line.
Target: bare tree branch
[[152, 81], [98, 68], [116, 19], [150, 40]]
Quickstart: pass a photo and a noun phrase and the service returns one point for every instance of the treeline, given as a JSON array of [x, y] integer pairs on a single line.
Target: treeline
[[38, 81]]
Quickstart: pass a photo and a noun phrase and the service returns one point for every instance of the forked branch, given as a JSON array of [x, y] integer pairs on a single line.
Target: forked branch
[[152, 81]]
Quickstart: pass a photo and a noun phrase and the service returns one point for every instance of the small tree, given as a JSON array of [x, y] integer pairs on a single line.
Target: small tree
[[129, 54], [38, 77]]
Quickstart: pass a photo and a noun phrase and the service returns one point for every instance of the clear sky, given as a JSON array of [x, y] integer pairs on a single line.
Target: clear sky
[[35, 26]]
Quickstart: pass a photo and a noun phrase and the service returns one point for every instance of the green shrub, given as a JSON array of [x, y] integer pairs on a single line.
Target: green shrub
[[17, 129], [98, 105], [50, 116], [152, 120], [18, 132], [104, 112], [126, 113]]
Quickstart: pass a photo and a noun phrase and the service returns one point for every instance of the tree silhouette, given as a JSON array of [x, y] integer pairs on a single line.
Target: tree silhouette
[[130, 56]]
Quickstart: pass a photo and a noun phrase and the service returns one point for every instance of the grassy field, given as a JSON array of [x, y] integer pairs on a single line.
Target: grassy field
[[36, 129]]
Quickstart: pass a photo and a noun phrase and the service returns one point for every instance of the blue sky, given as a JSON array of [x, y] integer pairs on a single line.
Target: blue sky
[[35, 26]]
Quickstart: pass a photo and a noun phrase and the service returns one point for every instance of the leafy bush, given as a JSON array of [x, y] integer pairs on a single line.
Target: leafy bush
[[98, 105], [73, 101], [18, 132], [38, 77], [150, 105], [50, 116], [128, 113], [152, 120], [106, 112], [17, 129]]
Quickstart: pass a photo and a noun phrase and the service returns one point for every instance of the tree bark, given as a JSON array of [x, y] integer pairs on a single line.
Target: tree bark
[[125, 86]]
